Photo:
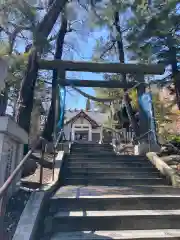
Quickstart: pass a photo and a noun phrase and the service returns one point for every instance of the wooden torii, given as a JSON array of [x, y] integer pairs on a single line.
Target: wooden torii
[[138, 70]]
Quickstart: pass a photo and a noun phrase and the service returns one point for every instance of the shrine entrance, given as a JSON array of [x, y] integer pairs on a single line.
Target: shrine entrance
[[145, 132]]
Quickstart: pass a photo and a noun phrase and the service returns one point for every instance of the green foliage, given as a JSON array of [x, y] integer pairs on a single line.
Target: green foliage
[[174, 138], [153, 33], [109, 93]]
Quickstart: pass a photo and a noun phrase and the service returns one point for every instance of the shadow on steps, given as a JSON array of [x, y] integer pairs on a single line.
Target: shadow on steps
[[80, 235], [86, 235]]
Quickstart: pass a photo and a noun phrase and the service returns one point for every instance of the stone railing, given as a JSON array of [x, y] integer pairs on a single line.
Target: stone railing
[[169, 172]]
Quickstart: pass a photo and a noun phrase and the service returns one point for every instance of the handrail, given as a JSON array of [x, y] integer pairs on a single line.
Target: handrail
[[143, 135], [10, 179]]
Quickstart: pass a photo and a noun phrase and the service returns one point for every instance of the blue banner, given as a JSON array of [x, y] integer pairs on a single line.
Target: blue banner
[[62, 96], [146, 104]]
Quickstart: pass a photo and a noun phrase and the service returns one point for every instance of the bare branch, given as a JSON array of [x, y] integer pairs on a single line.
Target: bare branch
[[109, 47]]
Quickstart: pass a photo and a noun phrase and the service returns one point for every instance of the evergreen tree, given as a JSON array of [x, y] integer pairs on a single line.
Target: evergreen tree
[[153, 36]]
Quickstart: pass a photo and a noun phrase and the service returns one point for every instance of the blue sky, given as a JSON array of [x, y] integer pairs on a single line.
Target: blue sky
[[73, 99], [78, 101]]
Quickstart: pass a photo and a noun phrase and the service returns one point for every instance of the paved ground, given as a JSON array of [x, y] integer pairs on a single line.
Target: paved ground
[[47, 173]]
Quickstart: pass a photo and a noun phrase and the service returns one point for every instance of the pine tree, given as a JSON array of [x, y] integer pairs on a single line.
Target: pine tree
[[26, 93], [153, 36]]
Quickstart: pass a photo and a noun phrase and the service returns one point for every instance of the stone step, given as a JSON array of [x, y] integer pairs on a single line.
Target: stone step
[[118, 213], [74, 146], [88, 146], [107, 160], [91, 145], [94, 147], [168, 234], [115, 220], [91, 150], [106, 155], [93, 155], [115, 169], [112, 175], [81, 191], [113, 181], [88, 164], [114, 202]]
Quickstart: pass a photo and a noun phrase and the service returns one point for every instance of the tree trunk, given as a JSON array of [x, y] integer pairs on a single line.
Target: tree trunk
[[119, 41], [49, 125], [120, 48], [26, 94]]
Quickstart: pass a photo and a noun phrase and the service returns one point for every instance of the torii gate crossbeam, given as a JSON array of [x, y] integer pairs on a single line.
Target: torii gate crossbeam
[[101, 67]]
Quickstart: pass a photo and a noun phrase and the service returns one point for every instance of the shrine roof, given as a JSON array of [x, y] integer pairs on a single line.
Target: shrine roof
[[98, 118]]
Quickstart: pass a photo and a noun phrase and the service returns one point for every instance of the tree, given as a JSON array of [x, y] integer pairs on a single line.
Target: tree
[[26, 95], [16, 63], [165, 110], [115, 44], [154, 36], [71, 27], [49, 126]]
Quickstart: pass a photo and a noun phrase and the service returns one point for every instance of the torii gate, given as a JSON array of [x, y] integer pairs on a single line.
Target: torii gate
[[138, 70]]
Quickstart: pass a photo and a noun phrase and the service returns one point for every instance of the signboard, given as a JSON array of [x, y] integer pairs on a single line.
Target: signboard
[[146, 103]]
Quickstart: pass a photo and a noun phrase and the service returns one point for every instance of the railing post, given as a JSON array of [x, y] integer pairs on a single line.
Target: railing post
[[42, 161], [54, 156]]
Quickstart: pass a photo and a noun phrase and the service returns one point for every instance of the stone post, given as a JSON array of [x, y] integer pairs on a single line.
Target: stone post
[[90, 133], [12, 138]]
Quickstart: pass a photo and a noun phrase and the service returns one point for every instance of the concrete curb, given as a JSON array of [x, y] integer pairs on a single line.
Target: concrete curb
[[164, 169], [29, 219]]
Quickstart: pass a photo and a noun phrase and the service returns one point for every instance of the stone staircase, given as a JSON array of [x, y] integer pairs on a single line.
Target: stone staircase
[[96, 164], [104, 196]]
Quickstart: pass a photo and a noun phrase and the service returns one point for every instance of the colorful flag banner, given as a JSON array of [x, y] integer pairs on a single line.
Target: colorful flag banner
[[62, 96], [146, 103]]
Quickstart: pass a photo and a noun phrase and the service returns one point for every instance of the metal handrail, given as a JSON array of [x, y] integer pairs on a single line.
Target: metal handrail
[[143, 135], [10, 179]]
